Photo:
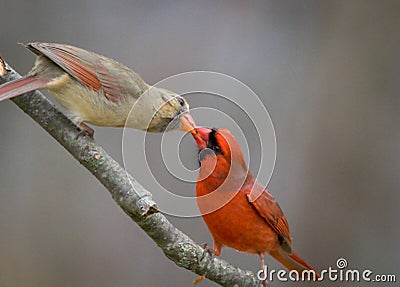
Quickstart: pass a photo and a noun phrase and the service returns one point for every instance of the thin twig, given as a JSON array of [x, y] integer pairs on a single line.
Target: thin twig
[[136, 201]]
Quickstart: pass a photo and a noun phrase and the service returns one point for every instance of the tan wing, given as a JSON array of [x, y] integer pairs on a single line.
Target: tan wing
[[102, 74]]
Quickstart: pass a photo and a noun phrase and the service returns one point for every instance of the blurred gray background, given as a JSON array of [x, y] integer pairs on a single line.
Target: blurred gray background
[[328, 72]]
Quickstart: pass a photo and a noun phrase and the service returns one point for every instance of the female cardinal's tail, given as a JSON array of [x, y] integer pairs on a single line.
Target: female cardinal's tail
[[20, 86], [293, 262]]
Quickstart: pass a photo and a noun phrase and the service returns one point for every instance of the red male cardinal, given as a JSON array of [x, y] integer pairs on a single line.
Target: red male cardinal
[[239, 211], [98, 90]]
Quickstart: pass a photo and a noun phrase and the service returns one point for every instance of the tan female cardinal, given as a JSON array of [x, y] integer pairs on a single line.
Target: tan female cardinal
[[98, 90], [239, 211]]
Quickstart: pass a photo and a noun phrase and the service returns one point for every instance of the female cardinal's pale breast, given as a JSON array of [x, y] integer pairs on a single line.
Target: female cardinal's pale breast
[[86, 105]]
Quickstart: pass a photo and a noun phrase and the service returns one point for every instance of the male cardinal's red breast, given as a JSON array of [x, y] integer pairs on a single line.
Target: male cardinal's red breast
[[239, 211], [98, 90]]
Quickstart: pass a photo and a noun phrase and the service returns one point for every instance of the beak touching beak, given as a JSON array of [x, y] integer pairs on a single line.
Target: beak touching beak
[[187, 122], [200, 135]]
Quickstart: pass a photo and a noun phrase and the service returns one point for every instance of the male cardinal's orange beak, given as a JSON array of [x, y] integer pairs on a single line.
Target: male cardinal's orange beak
[[201, 136]]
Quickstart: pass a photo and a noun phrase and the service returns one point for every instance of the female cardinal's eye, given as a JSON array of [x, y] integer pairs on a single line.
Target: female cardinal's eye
[[181, 101]]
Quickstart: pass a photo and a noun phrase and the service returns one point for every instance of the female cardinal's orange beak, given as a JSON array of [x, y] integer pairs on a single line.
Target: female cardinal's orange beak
[[188, 123], [201, 136]]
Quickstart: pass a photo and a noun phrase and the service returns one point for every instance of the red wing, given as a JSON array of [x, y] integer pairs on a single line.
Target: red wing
[[86, 67], [269, 209]]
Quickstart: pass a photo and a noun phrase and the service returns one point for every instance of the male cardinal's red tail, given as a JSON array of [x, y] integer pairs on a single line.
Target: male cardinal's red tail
[[293, 262], [20, 86]]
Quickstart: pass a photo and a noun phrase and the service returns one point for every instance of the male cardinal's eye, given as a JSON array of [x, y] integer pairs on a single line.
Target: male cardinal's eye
[[217, 149], [181, 101]]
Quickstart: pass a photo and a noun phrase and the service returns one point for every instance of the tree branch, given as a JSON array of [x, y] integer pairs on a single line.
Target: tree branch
[[136, 201]]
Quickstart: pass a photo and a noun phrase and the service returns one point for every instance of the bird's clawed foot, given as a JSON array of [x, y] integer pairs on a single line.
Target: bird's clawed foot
[[207, 250], [85, 130], [265, 283]]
